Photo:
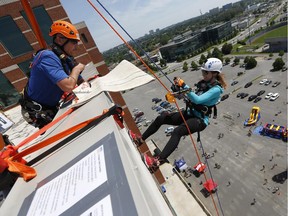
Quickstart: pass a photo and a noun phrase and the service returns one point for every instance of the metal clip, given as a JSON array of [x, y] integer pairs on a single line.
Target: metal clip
[[39, 105]]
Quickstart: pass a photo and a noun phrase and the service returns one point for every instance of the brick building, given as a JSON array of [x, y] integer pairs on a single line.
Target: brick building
[[18, 43]]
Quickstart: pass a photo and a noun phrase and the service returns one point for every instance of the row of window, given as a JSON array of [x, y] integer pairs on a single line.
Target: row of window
[[16, 45], [12, 38]]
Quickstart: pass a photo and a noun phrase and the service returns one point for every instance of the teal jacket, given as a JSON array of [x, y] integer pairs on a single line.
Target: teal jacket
[[208, 98]]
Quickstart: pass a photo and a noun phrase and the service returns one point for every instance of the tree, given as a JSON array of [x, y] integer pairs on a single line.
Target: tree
[[163, 62], [209, 55], [164, 39], [251, 63], [246, 59], [185, 66], [270, 55], [278, 64], [194, 66], [202, 59], [226, 49], [236, 60], [281, 53], [227, 60], [217, 54]]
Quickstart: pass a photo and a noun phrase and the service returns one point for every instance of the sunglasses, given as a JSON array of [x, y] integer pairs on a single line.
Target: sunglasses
[[73, 41]]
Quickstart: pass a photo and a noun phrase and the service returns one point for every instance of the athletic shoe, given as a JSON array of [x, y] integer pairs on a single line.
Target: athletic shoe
[[151, 162], [135, 138]]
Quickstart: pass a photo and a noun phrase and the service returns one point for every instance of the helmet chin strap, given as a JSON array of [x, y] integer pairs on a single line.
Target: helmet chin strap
[[61, 46]]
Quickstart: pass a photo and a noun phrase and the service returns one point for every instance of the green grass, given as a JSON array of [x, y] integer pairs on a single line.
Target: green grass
[[246, 49], [279, 32]]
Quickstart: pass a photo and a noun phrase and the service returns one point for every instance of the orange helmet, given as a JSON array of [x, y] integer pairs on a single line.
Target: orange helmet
[[65, 28]]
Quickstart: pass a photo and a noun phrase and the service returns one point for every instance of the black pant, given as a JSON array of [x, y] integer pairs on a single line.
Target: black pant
[[195, 124]]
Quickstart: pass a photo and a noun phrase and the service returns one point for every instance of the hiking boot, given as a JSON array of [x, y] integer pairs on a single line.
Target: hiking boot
[[135, 138], [151, 162]]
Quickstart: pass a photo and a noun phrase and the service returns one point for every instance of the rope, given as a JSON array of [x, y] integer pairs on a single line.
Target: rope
[[206, 162], [152, 72]]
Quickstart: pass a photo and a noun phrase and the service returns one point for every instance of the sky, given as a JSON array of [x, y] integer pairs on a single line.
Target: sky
[[137, 17]]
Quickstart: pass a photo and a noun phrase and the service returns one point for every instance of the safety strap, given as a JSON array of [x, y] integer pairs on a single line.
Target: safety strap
[[16, 166]]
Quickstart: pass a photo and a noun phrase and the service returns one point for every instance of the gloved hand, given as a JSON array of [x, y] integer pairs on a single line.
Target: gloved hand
[[179, 82]]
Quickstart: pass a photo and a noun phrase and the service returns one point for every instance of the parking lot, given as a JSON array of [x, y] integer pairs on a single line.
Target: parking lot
[[247, 163]]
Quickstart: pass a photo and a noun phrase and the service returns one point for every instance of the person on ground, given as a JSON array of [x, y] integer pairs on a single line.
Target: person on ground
[[53, 72], [199, 106]]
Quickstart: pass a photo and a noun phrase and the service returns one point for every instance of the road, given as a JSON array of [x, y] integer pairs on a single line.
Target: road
[[241, 157]]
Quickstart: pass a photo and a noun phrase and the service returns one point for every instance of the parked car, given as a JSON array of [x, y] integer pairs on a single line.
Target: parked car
[[169, 130], [147, 122], [248, 84], [164, 103], [268, 95], [159, 108], [263, 81], [274, 96], [268, 82], [244, 95], [234, 83], [163, 110], [243, 66], [224, 97], [154, 107], [260, 92], [257, 99], [240, 73], [172, 108], [140, 119], [138, 114], [156, 100], [166, 106], [239, 94], [252, 97], [284, 68], [276, 84], [135, 110]]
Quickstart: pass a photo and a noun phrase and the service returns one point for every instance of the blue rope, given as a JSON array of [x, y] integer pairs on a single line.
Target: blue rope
[[159, 69]]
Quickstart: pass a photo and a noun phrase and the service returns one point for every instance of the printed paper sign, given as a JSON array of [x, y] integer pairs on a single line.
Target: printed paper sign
[[68, 188], [102, 208]]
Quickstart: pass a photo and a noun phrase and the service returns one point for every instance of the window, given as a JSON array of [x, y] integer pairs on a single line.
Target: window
[[43, 20], [24, 66], [12, 38], [84, 39], [8, 94]]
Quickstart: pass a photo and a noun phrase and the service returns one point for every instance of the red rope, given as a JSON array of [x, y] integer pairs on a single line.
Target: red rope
[[152, 72]]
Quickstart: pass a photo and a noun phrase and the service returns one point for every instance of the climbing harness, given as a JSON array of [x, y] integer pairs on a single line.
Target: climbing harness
[[34, 113], [38, 114]]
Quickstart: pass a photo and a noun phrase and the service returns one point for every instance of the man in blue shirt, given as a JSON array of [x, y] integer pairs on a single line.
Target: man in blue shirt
[[53, 72], [199, 108]]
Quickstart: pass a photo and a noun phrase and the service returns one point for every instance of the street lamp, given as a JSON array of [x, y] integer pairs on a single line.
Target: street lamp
[[249, 29]]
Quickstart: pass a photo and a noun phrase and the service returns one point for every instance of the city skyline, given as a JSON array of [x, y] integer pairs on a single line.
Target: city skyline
[[136, 17]]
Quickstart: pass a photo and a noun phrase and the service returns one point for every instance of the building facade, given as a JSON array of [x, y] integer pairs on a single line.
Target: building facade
[[181, 46], [216, 33], [188, 43]]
